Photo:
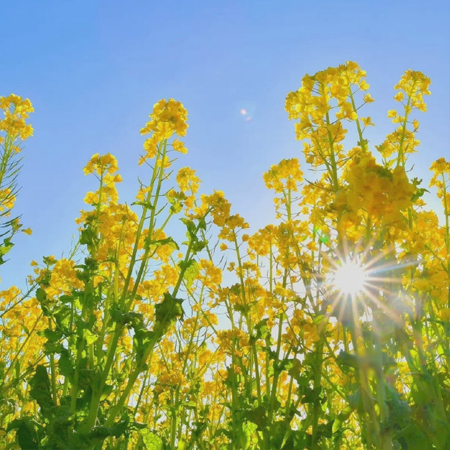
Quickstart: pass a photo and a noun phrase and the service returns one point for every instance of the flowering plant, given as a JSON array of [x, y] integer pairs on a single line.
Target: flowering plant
[[334, 333]]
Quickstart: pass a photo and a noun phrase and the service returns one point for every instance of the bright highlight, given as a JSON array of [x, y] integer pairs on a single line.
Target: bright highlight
[[349, 278]]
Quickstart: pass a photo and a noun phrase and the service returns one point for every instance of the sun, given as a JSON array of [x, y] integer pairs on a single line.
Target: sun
[[349, 278]]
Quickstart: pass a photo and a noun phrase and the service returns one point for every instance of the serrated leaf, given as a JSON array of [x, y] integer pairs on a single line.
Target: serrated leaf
[[41, 295], [190, 271], [89, 337], [65, 364], [51, 335], [40, 389], [151, 440], [168, 310], [25, 437]]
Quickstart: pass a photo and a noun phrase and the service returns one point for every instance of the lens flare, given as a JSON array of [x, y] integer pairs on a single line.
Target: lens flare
[[349, 278]]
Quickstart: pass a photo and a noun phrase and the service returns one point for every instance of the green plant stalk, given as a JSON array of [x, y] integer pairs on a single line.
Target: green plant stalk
[[317, 385], [152, 225], [249, 327], [234, 392], [372, 427], [274, 387], [95, 401], [149, 350], [358, 125], [80, 348], [155, 174], [173, 429], [84, 312], [334, 174], [400, 158], [52, 369], [386, 435]]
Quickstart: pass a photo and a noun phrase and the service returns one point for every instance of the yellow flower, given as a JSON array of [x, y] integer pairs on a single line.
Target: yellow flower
[[392, 113], [16, 110], [284, 175], [179, 146], [187, 180], [367, 121], [101, 164]]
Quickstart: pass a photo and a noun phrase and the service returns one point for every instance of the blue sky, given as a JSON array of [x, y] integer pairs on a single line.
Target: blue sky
[[94, 69]]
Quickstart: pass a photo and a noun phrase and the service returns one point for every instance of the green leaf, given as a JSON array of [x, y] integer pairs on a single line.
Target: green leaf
[[6, 247], [63, 319], [176, 207], [26, 436], [160, 242], [341, 418], [419, 193], [191, 229], [346, 359], [246, 433], [311, 395], [262, 329], [319, 319], [190, 271], [89, 337], [142, 340], [40, 390], [355, 401], [121, 318], [199, 246], [65, 365], [66, 298], [151, 440], [258, 417], [88, 236], [168, 310], [147, 205], [41, 295], [51, 348], [295, 369], [51, 335]]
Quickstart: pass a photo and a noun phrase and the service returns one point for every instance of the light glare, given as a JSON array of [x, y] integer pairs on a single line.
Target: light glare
[[349, 278]]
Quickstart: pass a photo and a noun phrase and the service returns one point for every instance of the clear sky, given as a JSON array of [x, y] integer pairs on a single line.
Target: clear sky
[[94, 69]]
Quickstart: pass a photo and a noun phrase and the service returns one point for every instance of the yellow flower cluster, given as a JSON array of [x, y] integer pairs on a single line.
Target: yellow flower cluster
[[187, 180], [333, 88], [101, 165], [414, 85], [441, 179], [210, 275], [63, 279], [382, 193], [284, 175], [16, 110], [168, 118], [219, 205], [310, 103], [261, 242]]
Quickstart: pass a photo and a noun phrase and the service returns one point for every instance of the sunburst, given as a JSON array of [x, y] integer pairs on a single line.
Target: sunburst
[[349, 278]]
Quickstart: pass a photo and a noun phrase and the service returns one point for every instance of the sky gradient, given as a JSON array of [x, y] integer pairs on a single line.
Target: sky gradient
[[94, 69]]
